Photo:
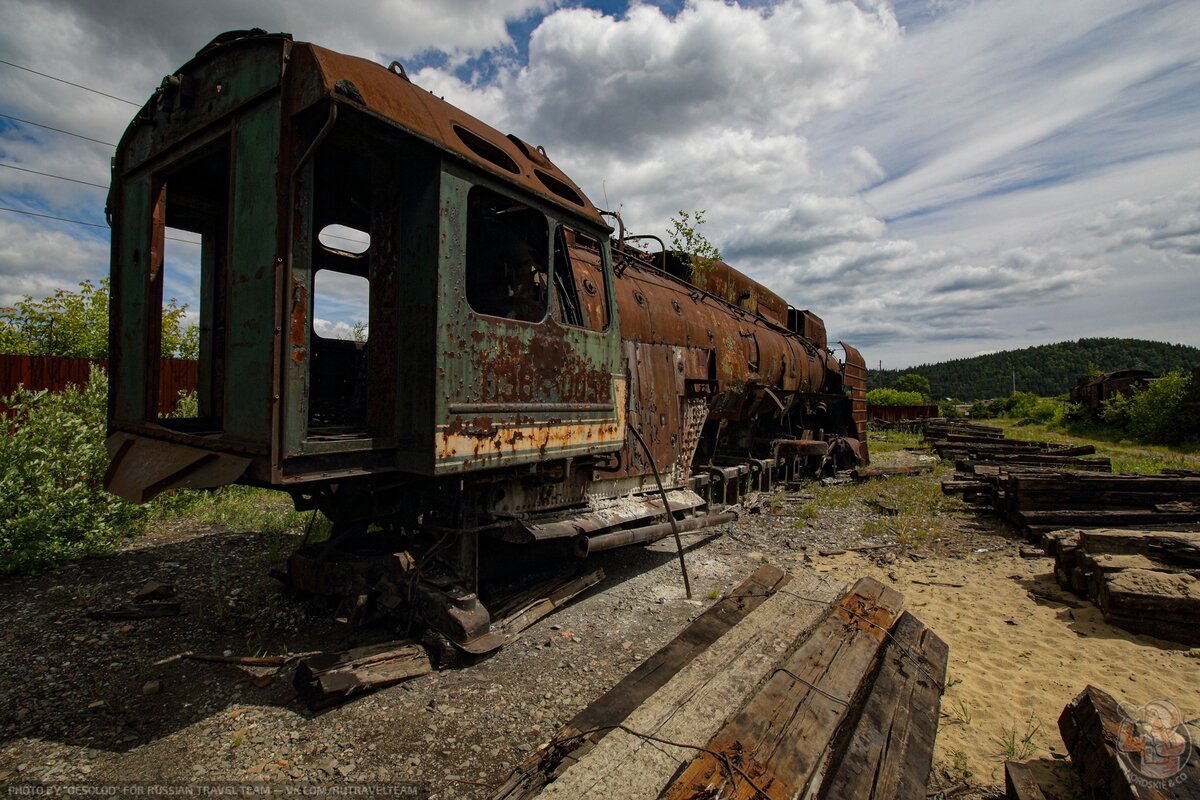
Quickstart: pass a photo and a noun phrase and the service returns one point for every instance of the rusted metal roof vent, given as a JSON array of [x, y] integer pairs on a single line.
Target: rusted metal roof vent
[[486, 150], [558, 187]]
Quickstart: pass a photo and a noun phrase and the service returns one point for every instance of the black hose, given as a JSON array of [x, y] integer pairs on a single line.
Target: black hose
[[687, 584]]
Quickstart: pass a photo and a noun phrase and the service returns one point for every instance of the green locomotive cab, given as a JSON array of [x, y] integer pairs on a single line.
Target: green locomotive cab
[[485, 340]]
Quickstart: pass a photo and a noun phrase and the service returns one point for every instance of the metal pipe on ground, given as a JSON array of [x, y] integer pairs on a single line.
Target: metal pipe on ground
[[586, 545]]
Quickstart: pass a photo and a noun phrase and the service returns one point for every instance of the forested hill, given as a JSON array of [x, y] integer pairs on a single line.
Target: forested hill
[[1046, 370]]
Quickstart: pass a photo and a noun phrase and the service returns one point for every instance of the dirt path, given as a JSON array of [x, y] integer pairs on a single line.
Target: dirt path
[[82, 699]]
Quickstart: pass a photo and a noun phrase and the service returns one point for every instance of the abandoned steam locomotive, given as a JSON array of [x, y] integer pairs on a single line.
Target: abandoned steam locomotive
[[528, 384]]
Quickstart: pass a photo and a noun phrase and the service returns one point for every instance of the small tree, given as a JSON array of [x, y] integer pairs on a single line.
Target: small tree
[[75, 324], [912, 382], [891, 397], [691, 246]]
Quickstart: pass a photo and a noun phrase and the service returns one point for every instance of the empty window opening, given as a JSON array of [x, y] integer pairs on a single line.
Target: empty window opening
[[341, 295], [346, 239], [507, 270], [580, 295], [188, 284], [341, 306]]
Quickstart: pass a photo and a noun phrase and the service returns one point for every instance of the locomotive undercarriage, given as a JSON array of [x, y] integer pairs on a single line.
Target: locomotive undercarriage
[[485, 553]]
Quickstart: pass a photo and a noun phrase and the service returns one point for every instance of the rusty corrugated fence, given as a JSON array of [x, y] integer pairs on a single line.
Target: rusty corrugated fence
[[901, 413], [55, 373]]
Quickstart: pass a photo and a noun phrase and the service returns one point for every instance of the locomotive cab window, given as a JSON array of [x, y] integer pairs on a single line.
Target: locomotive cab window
[[580, 296], [507, 269]]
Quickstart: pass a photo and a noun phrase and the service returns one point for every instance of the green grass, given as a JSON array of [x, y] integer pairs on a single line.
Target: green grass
[[1018, 745], [922, 511], [1127, 456], [891, 441]]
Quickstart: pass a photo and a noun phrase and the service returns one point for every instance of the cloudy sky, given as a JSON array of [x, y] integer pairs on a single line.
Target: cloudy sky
[[935, 178]]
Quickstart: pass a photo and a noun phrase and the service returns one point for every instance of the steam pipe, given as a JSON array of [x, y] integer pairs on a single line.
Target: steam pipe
[[586, 545]]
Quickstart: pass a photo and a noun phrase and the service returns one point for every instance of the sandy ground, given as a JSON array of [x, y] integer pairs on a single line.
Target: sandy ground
[[1016, 661], [73, 701]]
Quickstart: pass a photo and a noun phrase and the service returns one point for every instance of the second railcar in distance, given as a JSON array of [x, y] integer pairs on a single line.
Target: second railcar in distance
[[525, 385]]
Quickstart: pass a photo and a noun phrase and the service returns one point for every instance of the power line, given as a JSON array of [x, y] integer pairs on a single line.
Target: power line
[[59, 177], [69, 83], [50, 216], [80, 222], [56, 130]]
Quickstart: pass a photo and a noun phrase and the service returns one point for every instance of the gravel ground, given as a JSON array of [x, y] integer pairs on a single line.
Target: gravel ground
[[82, 700]]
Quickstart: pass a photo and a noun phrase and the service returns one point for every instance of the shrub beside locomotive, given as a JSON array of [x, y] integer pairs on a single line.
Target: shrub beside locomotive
[[526, 382], [1093, 392]]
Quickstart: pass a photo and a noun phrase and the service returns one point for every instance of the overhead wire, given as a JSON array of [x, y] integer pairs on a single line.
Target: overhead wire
[[58, 177], [71, 83], [81, 222], [89, 139], [56, 130]]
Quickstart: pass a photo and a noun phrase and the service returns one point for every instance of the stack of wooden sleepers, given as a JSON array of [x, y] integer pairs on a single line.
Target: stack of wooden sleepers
[[1122, 752], [1144, 581], [788, 686], [1041, 487]]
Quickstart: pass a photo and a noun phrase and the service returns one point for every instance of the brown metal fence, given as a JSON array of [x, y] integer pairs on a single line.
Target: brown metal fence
[[55, 373], [901, 413]]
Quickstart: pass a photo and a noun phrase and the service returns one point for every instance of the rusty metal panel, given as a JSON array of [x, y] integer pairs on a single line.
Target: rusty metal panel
[[739, 289], [254, 259], [511, 391], [901, 413], [130, 312], [391, 96], [206, 89], [856, 382]]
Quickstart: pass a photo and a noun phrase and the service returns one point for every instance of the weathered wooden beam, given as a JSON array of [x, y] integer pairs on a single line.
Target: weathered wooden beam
[[597, 720], [551, 595], [1105, 518], [866, 473], [330, 678], [693, 705], [1019, 783], [1168, 547], [1104, 743], [782, 740], [890, 751]]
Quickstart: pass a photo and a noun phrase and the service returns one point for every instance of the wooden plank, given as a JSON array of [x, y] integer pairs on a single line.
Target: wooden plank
[[554, 594], [1111, 518], [1176, 547], [865, 473], [693, 705], [1109, 766], [891, 748], [597, 720], [783, 739], [1143, 591], [327, 679], [1019, 783]]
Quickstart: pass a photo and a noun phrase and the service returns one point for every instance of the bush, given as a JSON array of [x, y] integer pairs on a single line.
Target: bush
[[1021, 405], [52, 464], [891, 397], [1155, 413], [1115, 411]]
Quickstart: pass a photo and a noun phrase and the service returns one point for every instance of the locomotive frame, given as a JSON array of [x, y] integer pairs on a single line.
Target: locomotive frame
[[530, 386]]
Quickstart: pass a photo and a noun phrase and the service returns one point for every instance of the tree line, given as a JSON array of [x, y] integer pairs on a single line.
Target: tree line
[[1045, 370]]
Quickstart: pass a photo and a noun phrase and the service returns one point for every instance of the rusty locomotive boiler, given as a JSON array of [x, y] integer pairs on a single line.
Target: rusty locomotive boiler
[[529, 386]]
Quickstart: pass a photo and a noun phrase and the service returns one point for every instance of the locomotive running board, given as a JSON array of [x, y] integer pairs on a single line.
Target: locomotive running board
[[606, 517]]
